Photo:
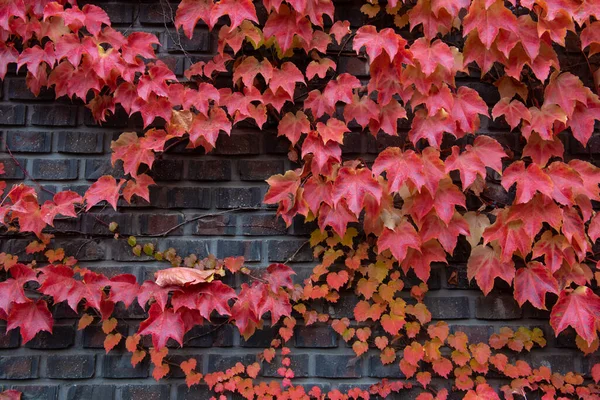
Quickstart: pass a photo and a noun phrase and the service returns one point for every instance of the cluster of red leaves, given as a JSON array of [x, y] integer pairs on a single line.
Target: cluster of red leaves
[[179, 299], [412, 208], [402, 330]]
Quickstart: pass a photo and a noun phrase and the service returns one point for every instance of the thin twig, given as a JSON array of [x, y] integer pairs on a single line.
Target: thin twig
[[296, 252], [199, 217]]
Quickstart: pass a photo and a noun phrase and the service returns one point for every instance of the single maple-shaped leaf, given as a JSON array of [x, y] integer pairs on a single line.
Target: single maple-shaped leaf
[[284, 25], [31, 318], [279, 276], [123, 288], [431, 55], [105, 188], [139, 43], [317, 67], [237, 10], [377, 42], [317, 191], [130, 149], [323, 153], [488, 20], [283, 189], [583, 119], [399, 240], [565, 90], [534, 213], [485, 265], [162, 325], [11, 290], [420, 259], [532, 283], [433, 227], [541, 151], [189, 12], [319, 104], [388, 117], [431, 128], [468, 164], [150, 290], [205, 129], [467, 107], [510, 235], [596, 372], [580, 309], [337, 217], [529, 181], [513, 111], [250, 67], [293, 126], [362, 110], [333, 130], [286, 77], [555, 249], [206, 298], [139, 187], [276, 303], [543, 120], [353, 185], [246, 311], [8, 55]]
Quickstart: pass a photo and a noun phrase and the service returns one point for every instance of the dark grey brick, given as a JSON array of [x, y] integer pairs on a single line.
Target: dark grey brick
[[497, 307], [337, 366], [12, 169], [240, 142], [54, 170], [19, 367], [209, 170], [207, 336], [91, 392], [80, 142], [62, 337], [54, 115], [315, 336], [251, 250], [29, 142], [11, 114], [448, 307], [37, 392], [262, 225], [154, 224], [217, 225], [70, 366], [167, 170], [238, 197], [259, 170], [187, 197], [96, 168], [144, 392], [179, 43], [282, 250], [194, 393], [378, 370], [119, 367]]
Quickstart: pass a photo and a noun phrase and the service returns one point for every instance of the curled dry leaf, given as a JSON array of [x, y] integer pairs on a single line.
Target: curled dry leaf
[[181, 276]]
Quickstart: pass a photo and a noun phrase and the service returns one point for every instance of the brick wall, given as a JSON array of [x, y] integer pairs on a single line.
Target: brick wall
[[58, 145]]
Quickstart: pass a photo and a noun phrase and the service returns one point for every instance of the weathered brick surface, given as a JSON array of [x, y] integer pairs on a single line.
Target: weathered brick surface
[[60, 146]]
